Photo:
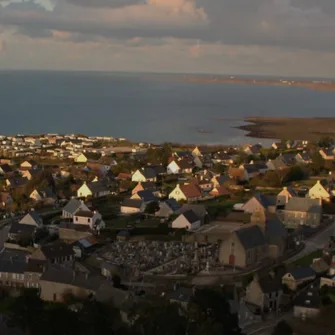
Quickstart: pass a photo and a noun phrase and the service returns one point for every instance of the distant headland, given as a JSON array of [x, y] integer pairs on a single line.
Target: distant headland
[[320, 85]]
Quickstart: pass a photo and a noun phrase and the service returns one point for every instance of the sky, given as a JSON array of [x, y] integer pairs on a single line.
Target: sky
[[281, 37]]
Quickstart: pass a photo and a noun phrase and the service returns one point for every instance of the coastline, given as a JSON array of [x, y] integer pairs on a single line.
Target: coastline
[[318, 85], [289, 128]]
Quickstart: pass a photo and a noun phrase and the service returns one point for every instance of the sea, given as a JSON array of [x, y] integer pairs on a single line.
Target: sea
[[141, 107]]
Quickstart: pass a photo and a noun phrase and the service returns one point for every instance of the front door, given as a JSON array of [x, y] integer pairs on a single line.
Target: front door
[[232, 260]]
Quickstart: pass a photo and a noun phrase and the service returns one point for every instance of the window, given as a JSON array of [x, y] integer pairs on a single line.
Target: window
[[76, 218], [310, 294], [54, 297], [88, 220]]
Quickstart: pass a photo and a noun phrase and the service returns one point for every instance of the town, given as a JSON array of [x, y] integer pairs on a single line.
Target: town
[[107, 219]]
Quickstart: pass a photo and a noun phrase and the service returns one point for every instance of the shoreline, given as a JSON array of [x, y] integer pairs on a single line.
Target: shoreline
[[288, 128], [316, 85]]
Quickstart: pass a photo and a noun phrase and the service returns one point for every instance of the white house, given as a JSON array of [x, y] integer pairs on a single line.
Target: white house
[[181, 166], [32, 218], [94, 189], [284, 195], [144, 174], [81, 158], [187, 220], [132, 206], [89, 218], [187, 192], [72, 207], [318, 191], [34, 195]]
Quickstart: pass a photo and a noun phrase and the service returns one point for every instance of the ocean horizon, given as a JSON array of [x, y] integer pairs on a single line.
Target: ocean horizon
[[147, 107]]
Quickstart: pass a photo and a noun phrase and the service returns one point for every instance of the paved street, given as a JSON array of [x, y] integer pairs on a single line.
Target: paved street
[[315, 243]]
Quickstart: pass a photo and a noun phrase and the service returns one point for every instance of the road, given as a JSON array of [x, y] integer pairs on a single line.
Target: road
[[315, 243]]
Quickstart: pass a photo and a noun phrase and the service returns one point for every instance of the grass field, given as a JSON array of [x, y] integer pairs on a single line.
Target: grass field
[[308, 259]]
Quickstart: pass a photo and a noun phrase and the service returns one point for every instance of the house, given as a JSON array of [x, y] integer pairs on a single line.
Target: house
[[319, 191], [5, 200], [320, 266], [283, 161], [219, 191], [223, 158], [21, 232], [199, 210], [219, 181], [87, 156], [167, 208], [279, 146], [182, 154], [187, 220], [239, 174], [245, 247], [93, 189], [89, 218], [123, 176], [303, 158], [32, 272], [12, 267], [298, 276], [260, 202], [72, 207], [54, 253], [186, 192], [5, 169], [308, 303], [15, 182], [57, 281], [253, 150], [145, 196], [284, 195], [183, 166], [203, 151], [132, 206], [31, 173], [327, 154], [265, 292], [302, 212], [145, 186], [33, 219], [145, 174], [44, 194], [28, 165]]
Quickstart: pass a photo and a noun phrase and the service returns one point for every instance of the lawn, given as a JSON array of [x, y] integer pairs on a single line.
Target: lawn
[[308, 259]]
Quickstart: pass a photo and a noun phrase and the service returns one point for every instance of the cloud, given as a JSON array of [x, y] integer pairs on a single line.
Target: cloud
[[48, 5]]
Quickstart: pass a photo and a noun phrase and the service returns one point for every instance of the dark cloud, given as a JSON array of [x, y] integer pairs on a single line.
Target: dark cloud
[[304, 24]]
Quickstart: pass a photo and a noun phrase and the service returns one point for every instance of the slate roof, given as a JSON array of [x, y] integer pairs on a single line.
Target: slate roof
[[303, 272], [251, 237], [237, 217], [173, 204], [133, 203], [309, 298], [58, 249], [304, 205], [59, 274], [266, 200], [20, 228], [35, 266], [148, 172], [274, 228], [6, 168], [17, 181], [72, 206], [147, 196], [199, 210], [97, 187], [190, 216], [33, 215], [13, 261], [185, 164]]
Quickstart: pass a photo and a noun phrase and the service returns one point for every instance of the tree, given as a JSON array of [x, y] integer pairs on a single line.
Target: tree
[[282, 328], [326, 142], [209, 313], [152, 207], [158, 316], [294, 174]]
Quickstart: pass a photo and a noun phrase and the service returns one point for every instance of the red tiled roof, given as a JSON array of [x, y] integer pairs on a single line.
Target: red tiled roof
[[191, 190]]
